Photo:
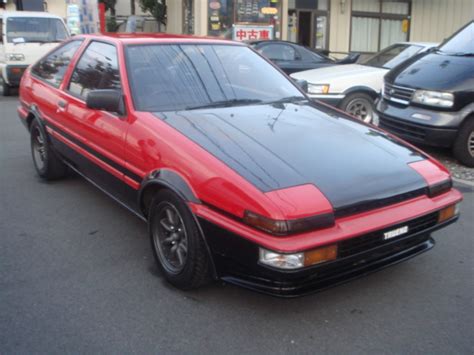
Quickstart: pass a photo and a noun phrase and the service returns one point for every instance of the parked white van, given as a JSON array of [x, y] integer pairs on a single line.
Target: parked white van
[[24, 38]]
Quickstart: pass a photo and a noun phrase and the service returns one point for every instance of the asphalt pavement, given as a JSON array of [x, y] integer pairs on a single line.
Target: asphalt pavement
[[77, 276]]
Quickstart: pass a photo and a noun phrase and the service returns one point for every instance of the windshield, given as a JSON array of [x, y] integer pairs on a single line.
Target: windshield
[[177, 77], [35, 29], [462, 42], [392, 56]]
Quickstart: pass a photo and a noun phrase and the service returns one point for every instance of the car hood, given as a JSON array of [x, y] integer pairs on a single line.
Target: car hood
[[435, 71], [276, 146], [337, 72]]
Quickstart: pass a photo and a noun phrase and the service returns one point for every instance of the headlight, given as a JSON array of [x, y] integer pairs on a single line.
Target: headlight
[[287, 227], [298, 260], [433, 98], [318, 88], [15, 57]]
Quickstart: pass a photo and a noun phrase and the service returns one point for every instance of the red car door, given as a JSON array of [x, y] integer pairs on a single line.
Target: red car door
[[96, 137], [43, 86]]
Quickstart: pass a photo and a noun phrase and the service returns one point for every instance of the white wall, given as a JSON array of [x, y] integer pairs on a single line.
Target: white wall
[[435, 20]]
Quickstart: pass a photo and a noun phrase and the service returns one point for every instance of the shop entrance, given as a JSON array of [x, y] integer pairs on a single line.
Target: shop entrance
[[308, 23], [304, 28]]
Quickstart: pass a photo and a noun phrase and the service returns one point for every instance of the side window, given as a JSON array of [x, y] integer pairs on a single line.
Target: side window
[[53, 67], [97, 69], [278, 52]]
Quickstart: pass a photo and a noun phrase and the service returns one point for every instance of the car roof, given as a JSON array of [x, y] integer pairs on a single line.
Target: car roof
[[143, 37], [6, 14]]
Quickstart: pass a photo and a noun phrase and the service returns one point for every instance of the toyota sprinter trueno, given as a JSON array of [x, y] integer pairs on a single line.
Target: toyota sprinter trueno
[[238, 174]]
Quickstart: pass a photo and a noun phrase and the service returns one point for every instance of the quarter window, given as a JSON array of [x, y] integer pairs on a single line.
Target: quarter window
[[52, 68], [97, 69]]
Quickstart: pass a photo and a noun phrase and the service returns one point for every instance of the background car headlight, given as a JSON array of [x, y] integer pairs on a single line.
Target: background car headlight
[[318, 88], [15, 57], [433, 98]]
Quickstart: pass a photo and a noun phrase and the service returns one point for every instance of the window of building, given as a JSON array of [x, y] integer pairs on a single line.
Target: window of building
[[52, 68], [245, 19], [378, 24], [97, 69]]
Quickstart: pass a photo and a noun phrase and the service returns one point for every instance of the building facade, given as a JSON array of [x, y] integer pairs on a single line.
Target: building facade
[[339, 26]]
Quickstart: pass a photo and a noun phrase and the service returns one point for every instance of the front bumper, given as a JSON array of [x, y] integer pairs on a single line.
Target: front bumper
[[330, 99], [12, 74], [419, 125], [236, 259]]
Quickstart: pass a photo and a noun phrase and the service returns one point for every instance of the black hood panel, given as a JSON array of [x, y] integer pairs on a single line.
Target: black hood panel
[[283, 145], [435, 71]]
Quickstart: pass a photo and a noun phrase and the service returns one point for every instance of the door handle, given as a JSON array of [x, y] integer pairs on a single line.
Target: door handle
[[61, 106]]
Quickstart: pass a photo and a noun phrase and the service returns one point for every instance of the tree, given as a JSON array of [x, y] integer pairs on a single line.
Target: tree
[[157, 8]]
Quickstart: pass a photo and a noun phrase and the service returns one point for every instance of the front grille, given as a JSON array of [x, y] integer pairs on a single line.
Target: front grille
[[399, 94], [367, 242], [401, 128], [371, 205]]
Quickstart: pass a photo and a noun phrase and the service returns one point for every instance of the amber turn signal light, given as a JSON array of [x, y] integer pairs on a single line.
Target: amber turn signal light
[[320, 255], [448, 213]]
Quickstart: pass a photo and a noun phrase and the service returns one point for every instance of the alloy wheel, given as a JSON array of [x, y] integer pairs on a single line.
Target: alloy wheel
[[361, 109], [470, 144], [170, 238], [39, 150]]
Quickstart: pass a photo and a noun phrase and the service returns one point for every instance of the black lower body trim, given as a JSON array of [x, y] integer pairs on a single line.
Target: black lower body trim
[[107, 182], [236, 261]]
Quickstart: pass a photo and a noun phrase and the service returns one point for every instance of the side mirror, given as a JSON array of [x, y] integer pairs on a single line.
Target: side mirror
[[303, 84], [349, 59], [106, 100]]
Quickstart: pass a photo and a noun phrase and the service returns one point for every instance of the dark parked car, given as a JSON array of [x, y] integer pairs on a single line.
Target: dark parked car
[[430, 98], [292, 57], [190, 133]]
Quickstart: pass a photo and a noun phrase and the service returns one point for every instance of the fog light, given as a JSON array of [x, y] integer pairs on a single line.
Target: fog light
[[448, 212], [281, 261]]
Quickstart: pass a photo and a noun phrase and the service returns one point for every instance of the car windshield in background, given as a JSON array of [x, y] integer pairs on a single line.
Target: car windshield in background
[[392, 56], [35, 29], [461, 43], [188, 76]]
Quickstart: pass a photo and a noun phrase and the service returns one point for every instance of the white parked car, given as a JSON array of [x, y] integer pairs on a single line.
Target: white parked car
[[24, 38], [354, 87]]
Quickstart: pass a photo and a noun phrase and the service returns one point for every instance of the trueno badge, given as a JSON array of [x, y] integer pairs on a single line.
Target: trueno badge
[[395, 233]]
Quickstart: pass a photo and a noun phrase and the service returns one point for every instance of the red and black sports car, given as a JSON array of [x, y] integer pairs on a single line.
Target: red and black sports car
[[239, 176]]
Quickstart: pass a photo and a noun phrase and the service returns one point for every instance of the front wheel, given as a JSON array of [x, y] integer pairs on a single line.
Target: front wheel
[[177, 244], [463, 148], [359, 105]]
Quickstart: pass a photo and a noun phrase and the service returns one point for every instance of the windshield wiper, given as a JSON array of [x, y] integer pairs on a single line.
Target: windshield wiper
[[456, 54], [288, 99], [225, 103]]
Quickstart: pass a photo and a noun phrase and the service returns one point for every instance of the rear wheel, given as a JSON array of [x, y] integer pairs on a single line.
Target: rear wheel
[[359, 105], [46, 162], [176, 242], [7, 90], [463, 148]]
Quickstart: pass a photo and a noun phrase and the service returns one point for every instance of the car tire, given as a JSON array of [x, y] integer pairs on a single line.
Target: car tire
[[178, 247], [6, 89], [463, 148], [46, 162], [359, 105]]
